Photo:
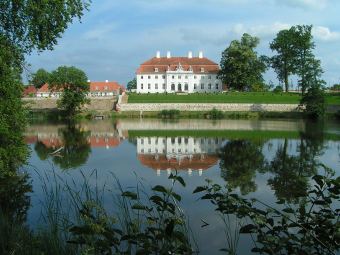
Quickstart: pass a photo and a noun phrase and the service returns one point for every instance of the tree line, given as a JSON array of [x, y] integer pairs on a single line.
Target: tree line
[[242, 68]]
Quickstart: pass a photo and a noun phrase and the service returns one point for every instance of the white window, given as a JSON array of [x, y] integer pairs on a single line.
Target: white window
[[209, 86], [149, 86], [105, 87], [202, 69], [163, 85], [156, 70], [141, 86], [149, 77], [195, 86], [216, 85], [209, 77], [163, 76], [156, 77], [173, 77], [172, 86], [179, 77], [141, 77], [96, 87], [202, 85], [195, 76], [156, 86], [186, 87], [186, 77]]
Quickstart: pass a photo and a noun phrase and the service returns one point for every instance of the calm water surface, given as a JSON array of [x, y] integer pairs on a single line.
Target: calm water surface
[[263, 159]]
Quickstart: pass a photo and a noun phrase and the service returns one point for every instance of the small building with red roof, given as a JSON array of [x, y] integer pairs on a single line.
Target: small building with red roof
[[97, 89], [29, 91], [178, 74]]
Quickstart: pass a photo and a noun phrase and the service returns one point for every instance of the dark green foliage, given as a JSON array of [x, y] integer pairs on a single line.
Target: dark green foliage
[[310, 228], [13, 151], [151, 226], [278, 89], [314, 100], [214, 114], [74, 86], [335, 87], [40, 78], [29, 24], [241, 67], [169, 114], [132, 84]]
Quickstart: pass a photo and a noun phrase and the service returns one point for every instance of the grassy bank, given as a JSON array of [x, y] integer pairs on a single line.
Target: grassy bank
[[230, 97]]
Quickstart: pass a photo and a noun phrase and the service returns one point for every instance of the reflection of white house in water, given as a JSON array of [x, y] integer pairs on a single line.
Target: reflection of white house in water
[[178, 153]]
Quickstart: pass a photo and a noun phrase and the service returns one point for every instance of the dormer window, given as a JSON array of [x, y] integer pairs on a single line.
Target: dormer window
[[202, 69], [96, 87], [156, 70], [105, 87]]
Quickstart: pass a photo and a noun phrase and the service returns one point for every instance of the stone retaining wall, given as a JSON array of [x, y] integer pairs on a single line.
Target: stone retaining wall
[[208, 106], [100, 104]]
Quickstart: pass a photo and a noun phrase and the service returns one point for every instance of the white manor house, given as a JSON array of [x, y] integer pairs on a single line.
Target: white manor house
[[178, 74]]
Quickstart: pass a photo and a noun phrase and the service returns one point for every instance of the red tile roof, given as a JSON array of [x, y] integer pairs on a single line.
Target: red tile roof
[[163, 64], [101, 85], [44, 88], [162, 163], [94, 86], [29, 90]]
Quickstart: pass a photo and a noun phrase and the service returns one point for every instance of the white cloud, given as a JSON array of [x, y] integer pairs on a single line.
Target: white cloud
[[325, 34]]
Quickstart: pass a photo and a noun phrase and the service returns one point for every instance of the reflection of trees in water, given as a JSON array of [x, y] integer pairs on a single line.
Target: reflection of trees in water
[[75, 148], [292, 172], [240, 159]]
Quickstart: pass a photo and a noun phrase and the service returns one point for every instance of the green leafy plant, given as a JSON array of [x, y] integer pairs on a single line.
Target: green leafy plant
[[311, 227]]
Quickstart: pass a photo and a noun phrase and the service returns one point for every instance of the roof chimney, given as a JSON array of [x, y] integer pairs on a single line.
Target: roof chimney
[[200, 54], [158, 54], [168, 54], [106, 81], [190, 54]]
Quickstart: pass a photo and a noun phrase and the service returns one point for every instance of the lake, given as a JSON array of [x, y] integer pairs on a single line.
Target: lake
[[266, 159]]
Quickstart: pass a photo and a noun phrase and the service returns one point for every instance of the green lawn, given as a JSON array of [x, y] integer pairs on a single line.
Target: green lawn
[[231, 97]]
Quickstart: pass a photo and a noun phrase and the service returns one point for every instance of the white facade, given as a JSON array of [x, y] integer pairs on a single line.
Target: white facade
[[179, 79]]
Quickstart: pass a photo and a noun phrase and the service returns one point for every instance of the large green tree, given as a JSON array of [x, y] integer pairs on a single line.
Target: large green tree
[[25, 25], [284, 61], [39, 78], [241, 67], [294, 48], [73, 84]]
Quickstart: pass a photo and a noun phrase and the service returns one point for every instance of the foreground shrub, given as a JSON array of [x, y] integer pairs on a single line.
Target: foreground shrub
[[310, 227]]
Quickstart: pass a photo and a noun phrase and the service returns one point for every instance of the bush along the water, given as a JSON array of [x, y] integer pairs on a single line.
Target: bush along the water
[[169, 114], [149, 225], [314, 100], [310, 227], [214, 114]]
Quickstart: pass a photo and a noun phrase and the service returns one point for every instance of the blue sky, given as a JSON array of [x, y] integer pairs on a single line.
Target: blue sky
[[115, 36]]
